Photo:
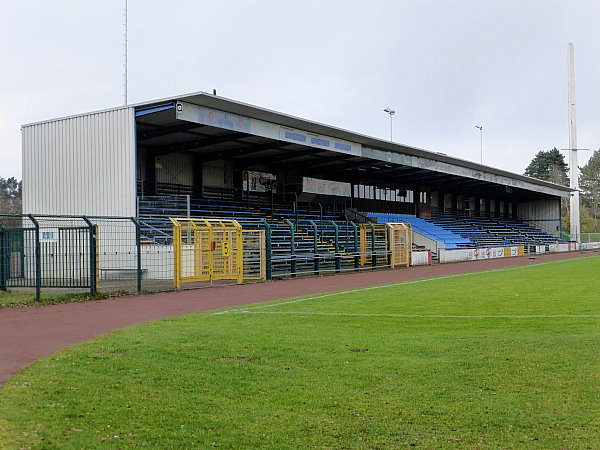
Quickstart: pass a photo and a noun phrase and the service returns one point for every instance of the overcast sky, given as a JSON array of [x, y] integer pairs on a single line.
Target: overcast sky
[[444, 66]]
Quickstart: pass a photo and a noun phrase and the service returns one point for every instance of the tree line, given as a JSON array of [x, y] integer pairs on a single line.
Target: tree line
[[551, 166]]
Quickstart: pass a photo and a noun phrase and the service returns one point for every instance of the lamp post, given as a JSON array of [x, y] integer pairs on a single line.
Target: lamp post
[[391, 112], [480, 128]]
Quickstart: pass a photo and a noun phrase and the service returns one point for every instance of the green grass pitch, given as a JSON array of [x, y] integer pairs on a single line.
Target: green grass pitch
[[501, 359]]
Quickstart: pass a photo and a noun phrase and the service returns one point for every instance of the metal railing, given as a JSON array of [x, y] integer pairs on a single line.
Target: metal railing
[[43, 253]]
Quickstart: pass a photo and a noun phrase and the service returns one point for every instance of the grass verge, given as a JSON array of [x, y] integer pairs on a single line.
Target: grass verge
[[22, 298], [500, 359]]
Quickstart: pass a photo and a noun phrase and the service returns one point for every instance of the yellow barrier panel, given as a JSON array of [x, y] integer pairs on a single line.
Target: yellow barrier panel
[[373, 244], [400, 244], [207, 250]]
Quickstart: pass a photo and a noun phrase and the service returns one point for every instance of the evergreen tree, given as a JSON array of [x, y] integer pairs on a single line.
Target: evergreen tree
[[10, 195], [549, 166]]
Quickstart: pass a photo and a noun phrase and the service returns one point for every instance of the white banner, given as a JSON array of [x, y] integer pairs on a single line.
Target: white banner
[[326, 187], [475, 254], [570, 247]]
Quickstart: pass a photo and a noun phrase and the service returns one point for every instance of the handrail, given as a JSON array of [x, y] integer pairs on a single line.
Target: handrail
[[358, 216]]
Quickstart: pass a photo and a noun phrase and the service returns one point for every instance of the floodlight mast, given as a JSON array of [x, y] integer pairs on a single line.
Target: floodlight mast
[[575, 235], [391, 112], [125, 56], [480, 128]]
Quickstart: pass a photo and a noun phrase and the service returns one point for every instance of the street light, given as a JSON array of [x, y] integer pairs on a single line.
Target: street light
[[391, 112], [480, 128]]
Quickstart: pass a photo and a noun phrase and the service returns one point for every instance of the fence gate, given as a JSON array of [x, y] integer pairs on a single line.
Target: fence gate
[[12, 257], [400, 244], [254, 254], [207, 250], [57, 257], [373, 244]]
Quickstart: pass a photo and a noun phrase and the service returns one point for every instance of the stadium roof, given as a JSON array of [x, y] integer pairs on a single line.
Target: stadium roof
[[176, 124]]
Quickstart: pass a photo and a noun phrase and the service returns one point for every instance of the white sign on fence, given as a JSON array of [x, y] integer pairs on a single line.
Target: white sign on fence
[[48, 234]]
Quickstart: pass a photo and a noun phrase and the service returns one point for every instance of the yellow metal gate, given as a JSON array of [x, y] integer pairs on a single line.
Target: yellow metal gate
[[400, 244], [373, 244], [207, 250]]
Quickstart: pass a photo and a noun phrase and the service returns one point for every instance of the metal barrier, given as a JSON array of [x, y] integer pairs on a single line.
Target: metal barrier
[[81, 253], [400, 241], [127, 254], [48, 252], [589, 237], [207, 250], [254, 252], [374, 247]]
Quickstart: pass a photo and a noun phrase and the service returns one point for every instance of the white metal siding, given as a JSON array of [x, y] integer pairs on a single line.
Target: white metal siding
[[543, 214], [81, 165]]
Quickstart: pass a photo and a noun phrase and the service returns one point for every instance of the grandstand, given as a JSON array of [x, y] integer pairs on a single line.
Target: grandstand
[[313, 240], [328, 237], [308, 185]]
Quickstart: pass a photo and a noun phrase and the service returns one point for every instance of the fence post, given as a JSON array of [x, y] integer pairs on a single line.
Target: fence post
[[176, 253], [356, 247], [38, 259], [293, 263], [93, 256], [321, 217], [296, 207], [390, 250], [138, 248], [268, 249], [316, 256], [4, 252], [373, 253], [338, 259]]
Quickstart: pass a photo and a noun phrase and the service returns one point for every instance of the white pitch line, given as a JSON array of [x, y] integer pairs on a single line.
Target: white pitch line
[[381, 286], [426, 316]]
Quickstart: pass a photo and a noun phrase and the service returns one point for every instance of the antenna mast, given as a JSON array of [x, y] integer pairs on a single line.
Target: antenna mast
[[125, 55]]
